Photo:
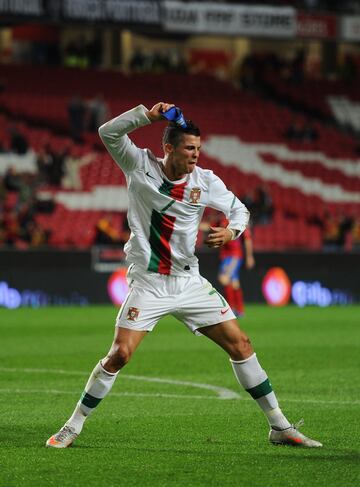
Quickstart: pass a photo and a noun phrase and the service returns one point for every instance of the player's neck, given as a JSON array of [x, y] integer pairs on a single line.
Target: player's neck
[[170, 171]]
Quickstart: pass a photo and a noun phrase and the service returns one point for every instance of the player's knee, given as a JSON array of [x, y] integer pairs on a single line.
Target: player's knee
[[242, 349], [120, 355]]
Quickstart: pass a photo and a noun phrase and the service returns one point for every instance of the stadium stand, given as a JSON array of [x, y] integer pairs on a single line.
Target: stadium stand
[[245, 143], [318, 96]]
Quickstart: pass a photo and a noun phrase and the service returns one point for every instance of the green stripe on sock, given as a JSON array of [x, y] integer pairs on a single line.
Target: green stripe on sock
[[89, 401], [260, 390]]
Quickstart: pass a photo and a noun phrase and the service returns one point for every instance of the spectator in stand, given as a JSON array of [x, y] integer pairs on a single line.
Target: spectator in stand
[[355, 233], [26, 191], [12, 180], [357, 147], [231, 259], [138, 62], [34, 235], [76, 54], [348, 69], [25, 215], [77, 114], [2, 192], [177, 62], [261, 208], [2, 231], [297, 67], [98, 112], [11, 228], [310, 133], [2, 85], [160, 62], [331, 232], [106, 233], [94, 51], [50, 164], [294, 132], [72, 166], [299, 131], [335, 229], [57, 167], [44, 163], [18, 142], [248, 72]]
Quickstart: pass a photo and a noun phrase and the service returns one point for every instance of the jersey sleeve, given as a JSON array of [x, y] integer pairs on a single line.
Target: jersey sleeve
[[220, 198], [114, 136]]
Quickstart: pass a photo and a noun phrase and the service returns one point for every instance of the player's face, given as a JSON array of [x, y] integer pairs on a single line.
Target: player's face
[[186, 154]]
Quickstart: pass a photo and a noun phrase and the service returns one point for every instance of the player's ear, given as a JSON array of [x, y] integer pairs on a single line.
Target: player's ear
[[168, 148]]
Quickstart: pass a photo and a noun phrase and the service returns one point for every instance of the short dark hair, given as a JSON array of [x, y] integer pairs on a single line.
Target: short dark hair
[[173, 133]]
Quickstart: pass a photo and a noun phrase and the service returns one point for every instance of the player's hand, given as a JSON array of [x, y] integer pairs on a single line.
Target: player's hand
[[250, 262], [218, 236], [156, 113]]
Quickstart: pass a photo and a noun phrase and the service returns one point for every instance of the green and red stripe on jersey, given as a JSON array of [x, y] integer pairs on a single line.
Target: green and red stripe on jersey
[[161, 229], [175, 191]]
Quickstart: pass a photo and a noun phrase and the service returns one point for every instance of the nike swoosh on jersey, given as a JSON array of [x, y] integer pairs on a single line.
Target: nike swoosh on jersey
[[149, 175]]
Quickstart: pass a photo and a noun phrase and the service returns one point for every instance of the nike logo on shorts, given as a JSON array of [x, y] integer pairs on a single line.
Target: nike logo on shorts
[[224, 311]]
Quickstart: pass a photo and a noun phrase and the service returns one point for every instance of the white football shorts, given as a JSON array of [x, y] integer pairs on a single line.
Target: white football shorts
[[190, 299]]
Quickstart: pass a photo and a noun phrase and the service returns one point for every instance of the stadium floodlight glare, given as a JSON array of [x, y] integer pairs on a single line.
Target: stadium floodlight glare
[[174, 114]]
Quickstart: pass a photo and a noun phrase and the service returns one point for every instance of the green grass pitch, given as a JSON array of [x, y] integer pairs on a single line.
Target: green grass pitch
[[162, 425]]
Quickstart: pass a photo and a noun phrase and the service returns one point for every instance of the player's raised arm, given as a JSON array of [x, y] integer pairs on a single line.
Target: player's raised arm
[[114, 133], [114, 136]]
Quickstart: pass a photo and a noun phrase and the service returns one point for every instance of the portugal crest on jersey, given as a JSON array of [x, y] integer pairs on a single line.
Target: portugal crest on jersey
[[195, 194], [133, 313]]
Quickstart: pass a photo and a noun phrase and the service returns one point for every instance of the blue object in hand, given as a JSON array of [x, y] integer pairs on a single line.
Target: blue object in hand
[[174, 114]]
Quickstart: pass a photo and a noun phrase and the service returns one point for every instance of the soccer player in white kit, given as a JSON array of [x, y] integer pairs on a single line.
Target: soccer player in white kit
[[167, 198]]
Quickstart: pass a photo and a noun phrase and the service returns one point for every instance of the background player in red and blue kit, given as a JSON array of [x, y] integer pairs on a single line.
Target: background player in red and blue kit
[[232, 256]]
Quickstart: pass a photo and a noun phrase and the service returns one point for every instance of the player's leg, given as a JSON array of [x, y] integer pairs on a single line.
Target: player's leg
[[99, 384], [201, 303], [238, 297], [104, 374], [255, 381], [224, 277], [124, 345], [138, 315], [247, 369], [236, 286]]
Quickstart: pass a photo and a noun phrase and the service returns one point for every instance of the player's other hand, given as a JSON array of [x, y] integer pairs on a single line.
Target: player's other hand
[[250, 262], [218, 236], [156, 113]]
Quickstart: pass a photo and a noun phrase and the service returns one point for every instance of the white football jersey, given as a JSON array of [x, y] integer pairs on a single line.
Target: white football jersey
[[164, 215]]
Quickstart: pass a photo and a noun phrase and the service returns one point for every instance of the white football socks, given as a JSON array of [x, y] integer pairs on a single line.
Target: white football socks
[[255, 381], [98, 386]]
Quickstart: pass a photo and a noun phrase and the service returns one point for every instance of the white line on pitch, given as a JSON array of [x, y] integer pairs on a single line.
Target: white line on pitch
[[222, 392], [113, 394], [175, 396]]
